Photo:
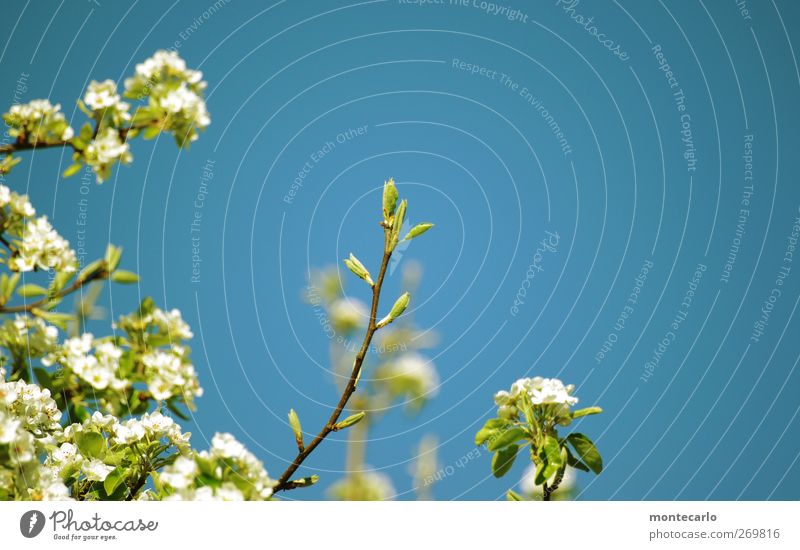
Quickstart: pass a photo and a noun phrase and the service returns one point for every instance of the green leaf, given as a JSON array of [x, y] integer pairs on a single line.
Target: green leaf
[[176, 411], [397, 224], [354, 265], [151, 132], [91, 444], [574, 462], [587, 452], [503, 460], [349, 421], [397, 310], [31, 290], [43, 377], [586, 412], [72, 169], [489, 430], [417, 230], [113, 480], [552, 450], [112, 257], [91, 269], [506, 438], [511, 495], [124, 277]]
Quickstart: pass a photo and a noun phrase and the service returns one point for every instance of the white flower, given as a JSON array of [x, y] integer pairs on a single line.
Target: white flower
[[96, 470], [181, 473], [172, 323], [104, 150], [226, 446], [103, 95], [38, 121], [169, 374], [21, 206], [44, 248], [8, 429]]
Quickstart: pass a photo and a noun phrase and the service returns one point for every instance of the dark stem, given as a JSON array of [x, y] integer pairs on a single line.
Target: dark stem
[[350, 388]]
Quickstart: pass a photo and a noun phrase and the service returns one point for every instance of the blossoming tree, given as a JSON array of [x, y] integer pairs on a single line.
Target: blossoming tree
[[90, 417]]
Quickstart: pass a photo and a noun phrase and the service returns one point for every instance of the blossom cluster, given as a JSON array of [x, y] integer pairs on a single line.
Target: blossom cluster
[[38, 122], [37, 244], [102, 152], [27, 337], [227, 471], [115, 371], [100, 369], [175, 95], [29, 426], [540, 391], [103, 100]]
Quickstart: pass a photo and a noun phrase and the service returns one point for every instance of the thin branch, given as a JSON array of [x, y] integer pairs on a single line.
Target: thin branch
[[284, 482], [23, 146], [77, 285]]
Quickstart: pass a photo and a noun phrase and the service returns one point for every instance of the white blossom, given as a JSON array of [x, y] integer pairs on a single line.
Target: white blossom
[[42, 247], [105, 150]]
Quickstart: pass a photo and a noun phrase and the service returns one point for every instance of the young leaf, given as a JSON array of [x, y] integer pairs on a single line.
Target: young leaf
[[511, 495], [503, 460], [72, 169], [354, 265], [113, 480], [294, 422], [417, 230], [397, 224], [31, 290], [506, 438], [587, 452], [489, 430], [349, 421], [586, 412], [124, 277], [397, 309], [91, 444], [552, 449]]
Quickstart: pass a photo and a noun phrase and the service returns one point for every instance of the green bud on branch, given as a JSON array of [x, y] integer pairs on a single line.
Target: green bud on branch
[[417, 230], [294, 422], [349, 421], [397, 310], [389, 199], [303, 482], [354, 265]]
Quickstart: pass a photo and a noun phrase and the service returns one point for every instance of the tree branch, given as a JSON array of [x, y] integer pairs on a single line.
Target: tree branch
[[100, 274], [283, 482]]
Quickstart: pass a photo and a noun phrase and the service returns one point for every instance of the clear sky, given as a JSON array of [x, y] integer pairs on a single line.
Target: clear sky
[[629, 143]]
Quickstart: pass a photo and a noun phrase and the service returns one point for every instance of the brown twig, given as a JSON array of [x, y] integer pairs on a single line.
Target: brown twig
[[77, 285], [283, 482]]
